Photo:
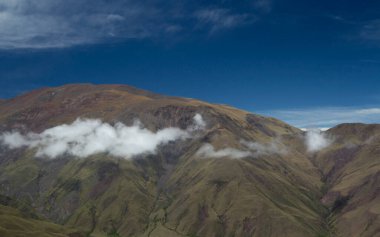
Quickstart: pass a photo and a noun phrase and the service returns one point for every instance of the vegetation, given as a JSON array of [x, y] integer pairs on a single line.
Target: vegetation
[[176, 193]]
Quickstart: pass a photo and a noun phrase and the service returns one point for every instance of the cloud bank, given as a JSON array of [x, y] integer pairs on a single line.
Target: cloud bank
[[326, 117], [316, 140], [253, 149], [86, 137]]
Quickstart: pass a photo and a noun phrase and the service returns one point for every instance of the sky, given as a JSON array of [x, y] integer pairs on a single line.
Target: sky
[[312, 63]]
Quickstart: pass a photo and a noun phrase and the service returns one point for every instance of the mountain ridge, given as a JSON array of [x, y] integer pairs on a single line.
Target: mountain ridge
[[277, 189]]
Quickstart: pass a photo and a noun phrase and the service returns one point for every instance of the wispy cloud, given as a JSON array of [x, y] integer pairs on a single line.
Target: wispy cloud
[[326, 117], [218, 19], [263, 5], [65, 23], [371, 30], [209, 151], [363, 29], [259, 149], [251, 149]]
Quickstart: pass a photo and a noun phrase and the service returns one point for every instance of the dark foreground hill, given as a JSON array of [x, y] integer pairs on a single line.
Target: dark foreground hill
[[187, 168]]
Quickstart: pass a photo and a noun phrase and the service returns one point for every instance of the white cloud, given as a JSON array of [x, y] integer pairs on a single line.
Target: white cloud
[[199, 123], [316, 140], [254, 149], [322, 129], [258, 149], [208, 151], [326, 117], [14, 140], [371, 111], [85, 137]]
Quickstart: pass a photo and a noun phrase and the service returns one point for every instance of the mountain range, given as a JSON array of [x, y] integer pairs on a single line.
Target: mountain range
[[112, 160]]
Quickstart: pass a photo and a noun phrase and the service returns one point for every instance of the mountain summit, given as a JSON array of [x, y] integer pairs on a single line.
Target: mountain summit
[[113, 160]]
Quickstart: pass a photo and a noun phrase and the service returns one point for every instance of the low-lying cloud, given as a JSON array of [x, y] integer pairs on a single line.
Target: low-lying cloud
[[316, 140], [252, 149], [199, 123], [208, 151], [86, 137], [258, 149]]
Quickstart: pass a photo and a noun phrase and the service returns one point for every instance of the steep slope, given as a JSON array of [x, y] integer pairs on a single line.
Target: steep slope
[[13, 224], [351, 168], [19, 220], [240, 175]]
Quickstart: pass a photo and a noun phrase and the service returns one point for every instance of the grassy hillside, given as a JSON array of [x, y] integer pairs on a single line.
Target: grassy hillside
[[18, 220], [178, 192], [351, 168]]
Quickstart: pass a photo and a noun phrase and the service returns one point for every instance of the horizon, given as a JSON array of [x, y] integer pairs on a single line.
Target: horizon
[[313, 65], [303, 127]]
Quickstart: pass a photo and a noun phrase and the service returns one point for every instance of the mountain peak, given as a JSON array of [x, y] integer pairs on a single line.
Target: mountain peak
[[46, 107]]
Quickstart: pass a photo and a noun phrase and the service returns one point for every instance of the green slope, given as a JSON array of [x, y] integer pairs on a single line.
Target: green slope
[[22, 223]]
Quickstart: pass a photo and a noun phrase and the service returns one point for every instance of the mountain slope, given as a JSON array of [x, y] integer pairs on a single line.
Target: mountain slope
[[351, 168], [240, 175], [25, 223]]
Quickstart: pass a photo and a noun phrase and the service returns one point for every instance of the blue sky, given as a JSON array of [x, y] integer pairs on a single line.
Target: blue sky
[[311, 63]]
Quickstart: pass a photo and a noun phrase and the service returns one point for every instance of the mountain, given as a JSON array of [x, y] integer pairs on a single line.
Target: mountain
[[76, 157], [18, 219], [351, 175]]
